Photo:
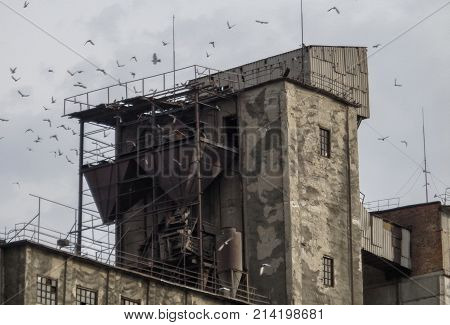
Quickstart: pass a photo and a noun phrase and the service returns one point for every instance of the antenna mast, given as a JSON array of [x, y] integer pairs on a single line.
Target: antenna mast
[[301, 20], [173, 49], [425, 171]]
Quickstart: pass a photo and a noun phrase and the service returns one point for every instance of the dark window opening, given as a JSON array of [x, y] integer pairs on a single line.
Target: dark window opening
[[325, 143], [231, 129], [86, 296], [46, 291], [328, 271]]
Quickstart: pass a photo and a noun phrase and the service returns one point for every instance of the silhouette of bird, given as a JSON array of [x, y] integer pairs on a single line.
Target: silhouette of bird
[[155, 59], [54, 136], [263, 267], [26, 4], [49, 121], [3, 120], [29, 149], [383, 138], [101, 70], [119, 65], [89, 42], [16, 183], [76, 151], [225, 243], [261, 22], [13, 70], [71, 73], [38, 139], [376, 46], [404, 142], [229, 25], [397, 84], [53, 100], [45, 108], [29, 130], [135, 90], [64, 127], [79, 84], [50, 70], [208, 54], [80, 71], [68, 160], [22, 94], [133, 58], [133, 74], [74, 133], [15, 79], [213, 44], [1, 138], [60, 153], [335, 9], [165, 43]]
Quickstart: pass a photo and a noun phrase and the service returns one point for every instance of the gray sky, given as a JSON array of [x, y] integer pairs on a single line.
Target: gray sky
[[122, 29]]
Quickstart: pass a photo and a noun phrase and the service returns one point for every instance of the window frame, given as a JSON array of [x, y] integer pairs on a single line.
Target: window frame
[[328, 271], [124, 299], [325, 147], [91, 291], [42, 293]]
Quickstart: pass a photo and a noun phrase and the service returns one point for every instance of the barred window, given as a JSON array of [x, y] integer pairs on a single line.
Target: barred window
[[129, 301], [328, 271], [46, 290], [86, 296], [325, 143]]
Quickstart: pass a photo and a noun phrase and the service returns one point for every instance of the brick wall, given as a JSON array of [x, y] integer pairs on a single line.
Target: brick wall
[[424, 221]]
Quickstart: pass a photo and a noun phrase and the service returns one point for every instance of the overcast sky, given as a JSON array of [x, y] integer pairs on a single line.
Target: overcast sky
[[122, 29]]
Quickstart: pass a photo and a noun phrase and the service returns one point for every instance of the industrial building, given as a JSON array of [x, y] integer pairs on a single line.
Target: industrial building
[[236, 186]]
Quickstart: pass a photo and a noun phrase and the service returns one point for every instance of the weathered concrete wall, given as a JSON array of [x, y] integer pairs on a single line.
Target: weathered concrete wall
[[324, 198], [296, 202], [25, 262], [429, 289], [261, 159]]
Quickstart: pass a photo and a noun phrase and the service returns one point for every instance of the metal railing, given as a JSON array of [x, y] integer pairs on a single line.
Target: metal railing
[[383, 204]]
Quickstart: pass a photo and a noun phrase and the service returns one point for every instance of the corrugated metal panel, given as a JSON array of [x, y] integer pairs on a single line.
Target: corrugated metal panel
[[406, 246], [377, 232]]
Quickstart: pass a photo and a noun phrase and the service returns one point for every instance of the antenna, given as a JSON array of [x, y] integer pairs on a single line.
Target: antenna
[[301, 20], [173, 49], [425, 171]]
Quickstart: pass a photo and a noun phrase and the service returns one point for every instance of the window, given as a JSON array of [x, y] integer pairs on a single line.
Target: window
[[46, 291], [231, 128], [325, 142], [86, 296], [129, 301], [328, 271]]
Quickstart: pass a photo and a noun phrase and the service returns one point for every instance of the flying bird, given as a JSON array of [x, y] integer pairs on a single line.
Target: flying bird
[[45, 108], [335, 9], [60, 153], [89, 42], [133, 58], [54, 136], [29, 149], [79, 84], [263, 267], [68, 160], [225, 243], [101, 70], [229, 25], [49, 122], [80, 71], [213, 44], [376, 46], [16, 183], [39, 139], [155, 59], [15, 79], [405, 143], [53, 100], [73, 132], [29, 130], [76, 151], [119, 65], [165, 43], [261, 22], [26, 4], [13, 70], [397, 84], [133, 74], [50, 70], [135, 90], [63, 126], [383, 138], [1, 138], [208, 54], [3, 120], [71, 73], [22, 94]]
